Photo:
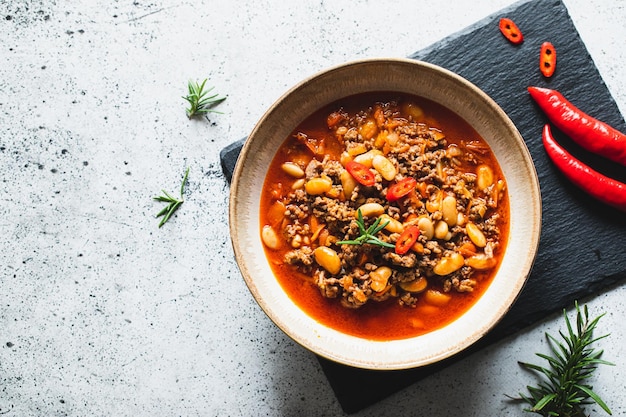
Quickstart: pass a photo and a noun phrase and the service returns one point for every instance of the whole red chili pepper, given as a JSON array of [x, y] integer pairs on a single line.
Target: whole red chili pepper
[[590, 133], [510, 30], [547, 59], [602, 188]]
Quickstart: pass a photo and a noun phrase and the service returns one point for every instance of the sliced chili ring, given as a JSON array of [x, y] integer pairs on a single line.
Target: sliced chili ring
[[401, 188], [407, 239], [547, 59], [510, 31], [361, 173]]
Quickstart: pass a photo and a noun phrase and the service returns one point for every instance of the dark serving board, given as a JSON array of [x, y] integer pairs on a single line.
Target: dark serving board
[[583, 243]]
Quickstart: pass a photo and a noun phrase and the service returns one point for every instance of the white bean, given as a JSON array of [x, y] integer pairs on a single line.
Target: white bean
[[344, 158], [415, 286], [380, 277], [371, 210], [426, 226], [348, 183], [367, 157], [484, 177], [476, 235], [293, 169], [384, 167], [269, 237], [297, 184], [449, 264], [328, 259], [481, 262], [318, 185], [449, 210], [441, 229], [393, 225]]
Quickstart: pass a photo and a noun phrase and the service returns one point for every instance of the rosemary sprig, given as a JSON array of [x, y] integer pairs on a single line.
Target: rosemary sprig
[[563, 391], [368, 235], [172, 203], [199, 102]]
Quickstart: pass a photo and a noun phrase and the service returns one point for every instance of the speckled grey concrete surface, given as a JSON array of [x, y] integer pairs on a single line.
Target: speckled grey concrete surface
[[104, 314]]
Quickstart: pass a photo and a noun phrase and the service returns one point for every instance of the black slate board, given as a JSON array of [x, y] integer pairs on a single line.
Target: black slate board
[[583, 243]]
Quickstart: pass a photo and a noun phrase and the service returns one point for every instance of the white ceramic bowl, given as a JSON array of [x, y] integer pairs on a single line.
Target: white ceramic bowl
[[441, 86]]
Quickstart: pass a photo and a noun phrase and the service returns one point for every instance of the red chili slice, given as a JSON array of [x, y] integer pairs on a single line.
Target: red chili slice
[[401, 188], [510, 31], [547, 59], [361, 173], [407, 239]]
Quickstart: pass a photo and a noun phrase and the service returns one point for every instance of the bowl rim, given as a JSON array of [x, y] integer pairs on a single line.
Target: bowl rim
[[391, 363]]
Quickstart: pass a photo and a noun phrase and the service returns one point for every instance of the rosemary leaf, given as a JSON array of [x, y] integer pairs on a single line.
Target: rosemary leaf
[[163, 212], [172, 203], [563, 391], [377, 241], [594, 397], [199, 102], [361, 223], [163, 198], [368, 235]]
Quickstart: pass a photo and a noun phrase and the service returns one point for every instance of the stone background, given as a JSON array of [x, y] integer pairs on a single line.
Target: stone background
[[103, 313]]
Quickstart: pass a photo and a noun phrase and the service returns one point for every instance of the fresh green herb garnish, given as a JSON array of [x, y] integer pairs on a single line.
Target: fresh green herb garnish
[[564, 391], [199, 102], [369, 235], [172, 203]]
